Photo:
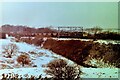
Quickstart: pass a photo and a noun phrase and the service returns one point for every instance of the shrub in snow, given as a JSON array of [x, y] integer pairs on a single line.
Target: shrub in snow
[[106, 52], [100, 63], [23, 59], [43, 65], [5, 66], [41, 54], [59, 69], [10, 49], [32, 52]]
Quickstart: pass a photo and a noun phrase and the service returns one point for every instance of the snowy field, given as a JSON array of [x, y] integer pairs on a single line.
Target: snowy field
[[41, 58]]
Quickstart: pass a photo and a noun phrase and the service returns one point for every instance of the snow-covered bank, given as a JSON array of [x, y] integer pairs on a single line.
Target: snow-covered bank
[[40, 58], [43, 56], [72, 39], [99, 41]]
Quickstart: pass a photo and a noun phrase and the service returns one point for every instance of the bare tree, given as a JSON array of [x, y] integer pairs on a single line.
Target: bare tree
[[60, 70], [10, 49]]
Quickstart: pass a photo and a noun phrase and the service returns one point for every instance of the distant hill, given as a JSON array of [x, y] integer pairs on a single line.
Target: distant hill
[[24, 29]]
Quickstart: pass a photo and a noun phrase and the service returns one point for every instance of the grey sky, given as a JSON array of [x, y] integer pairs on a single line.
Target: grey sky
[[37, 14]]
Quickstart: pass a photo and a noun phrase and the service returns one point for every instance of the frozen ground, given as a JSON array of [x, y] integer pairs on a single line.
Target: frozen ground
[[41, 58]]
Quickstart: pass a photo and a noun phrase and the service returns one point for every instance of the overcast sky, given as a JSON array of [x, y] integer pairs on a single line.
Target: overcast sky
[[37, 14]]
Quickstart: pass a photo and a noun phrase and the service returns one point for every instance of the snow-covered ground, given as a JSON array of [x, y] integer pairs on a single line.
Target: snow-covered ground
[[87, 72], [99, 41], [42, 57], [72, 39], [100, 72]]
